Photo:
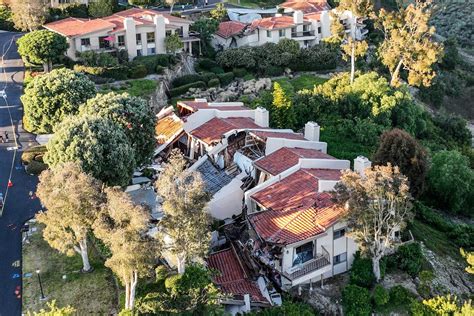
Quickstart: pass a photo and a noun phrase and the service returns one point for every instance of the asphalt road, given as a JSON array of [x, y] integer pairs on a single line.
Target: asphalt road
[[19, 207]]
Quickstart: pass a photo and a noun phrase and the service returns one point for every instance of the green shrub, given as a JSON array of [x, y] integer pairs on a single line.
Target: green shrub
[[152, 61], [361, 272], [35, 167], [226, 78], [213, 83], [399, 295], [186, 79], [410, 258], [32, 158], [207, 76], [217, 70], [356, 301], [137, 71], [381, 295], [239, 72], [183, 89], [319, 57], [206, 64], [273, 71], [160, 70], [94, 59]]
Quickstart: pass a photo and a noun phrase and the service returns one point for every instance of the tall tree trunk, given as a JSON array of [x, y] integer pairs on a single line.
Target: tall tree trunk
[[127, 295], [181, 263], [376, 267], [352, 62], [133, 287], [84, 255], [396, 73]]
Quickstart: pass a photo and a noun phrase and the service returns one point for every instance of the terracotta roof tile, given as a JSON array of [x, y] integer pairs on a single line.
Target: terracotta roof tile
[[285, 158], [232, 278], [266, 134], [73, 26], [274, 22], [212, 131], [307, 6], [230, 28]]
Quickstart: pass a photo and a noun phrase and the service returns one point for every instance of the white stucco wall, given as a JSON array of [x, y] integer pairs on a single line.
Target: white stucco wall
[[227, 201]]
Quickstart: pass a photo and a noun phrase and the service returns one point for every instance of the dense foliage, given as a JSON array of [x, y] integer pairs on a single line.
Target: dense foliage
[[42, 47], [288, 308], [133, 115], [361, 271], [97, 144], [451, 182], [50, 97], [410, 258], [356, 301]]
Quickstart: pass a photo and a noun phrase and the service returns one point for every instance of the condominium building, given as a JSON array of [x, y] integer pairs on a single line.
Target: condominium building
[[140, 32]]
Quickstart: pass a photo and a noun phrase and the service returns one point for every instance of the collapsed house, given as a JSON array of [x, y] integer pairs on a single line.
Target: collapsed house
[[277, 182]]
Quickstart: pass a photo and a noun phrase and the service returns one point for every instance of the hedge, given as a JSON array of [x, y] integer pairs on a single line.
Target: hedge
[[239, 72], [138, 71], [152, 61], [207, 76], [184, 88], [226, 78], [273, 71], [213, 83], [186, 79], [206, 64], [118, 72]]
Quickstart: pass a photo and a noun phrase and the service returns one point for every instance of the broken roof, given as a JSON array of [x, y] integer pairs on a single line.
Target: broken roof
[[167, 128], [194, 106], [230, 28], [213, 177], [232, 278], [285, 158], [307, 6], [274, 22], [287, 135], [212, 131]]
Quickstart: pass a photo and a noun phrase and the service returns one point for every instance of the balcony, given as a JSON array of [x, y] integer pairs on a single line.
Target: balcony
[[302, 34], [103, 49], [320, 261]]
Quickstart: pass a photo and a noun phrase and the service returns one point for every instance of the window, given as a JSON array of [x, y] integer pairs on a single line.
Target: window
[[150, 37], [340, 258], [282, 33], [151, 51], [339, 233], [305, 28], [121, 40], [168, 33], [319, 30], [180, 31], [269, 33], [139, 52], [103, 43], [303, 253], [85, 42], [139, 39]]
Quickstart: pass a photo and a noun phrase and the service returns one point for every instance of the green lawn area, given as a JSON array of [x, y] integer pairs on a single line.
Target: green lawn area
[[137, 88], [91, 293], [434, 239], [304, 81]]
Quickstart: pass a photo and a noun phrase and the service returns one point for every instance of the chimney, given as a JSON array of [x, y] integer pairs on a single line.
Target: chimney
[[360, 164], [261, 117], [298, 17], [311, 131], [247, 302]]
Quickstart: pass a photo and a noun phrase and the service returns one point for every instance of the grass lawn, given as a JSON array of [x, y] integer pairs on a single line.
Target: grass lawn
[[91, 293], [305, 81], [434, 239], [137, 88]]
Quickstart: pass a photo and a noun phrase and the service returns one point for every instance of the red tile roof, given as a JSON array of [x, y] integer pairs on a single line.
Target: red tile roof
[[274, 22], [285, 158], [230, 28], [293, 226], [212, 131], [307, 6], [232, 278], [266, 134], [313, 16], [167, 127], [71, 27]]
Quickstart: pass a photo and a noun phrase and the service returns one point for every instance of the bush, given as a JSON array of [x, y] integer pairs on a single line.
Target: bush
[[151, 62], [239, 72], [160, 70], [35, 167], [217, 70], [137, 71], [94, 59], [356, 301], [206, 64], [399, 295], [207, 76], [319, 57], [186, 79], [183, 89], [410, 258], [226, 78], [381, 295], [361, 272], [213, 83], [273, 71], [32, 158], [117, 73]]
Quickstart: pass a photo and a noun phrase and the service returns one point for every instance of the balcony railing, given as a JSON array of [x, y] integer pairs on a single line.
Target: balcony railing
[[302, 34], [320, 261], [109, 48]]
